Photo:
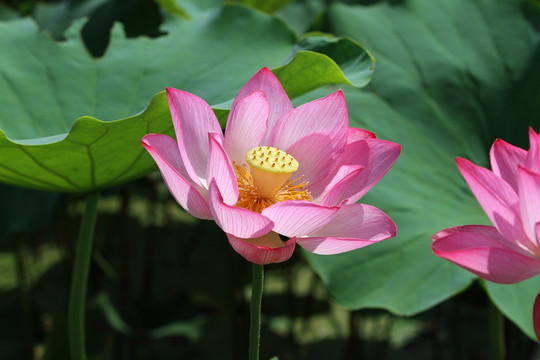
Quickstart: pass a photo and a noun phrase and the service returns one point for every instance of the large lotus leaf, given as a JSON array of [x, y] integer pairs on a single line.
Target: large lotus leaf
[[68, 121], [355, 64], [445, 85], [300, 14], [172, 7], [268, 6]]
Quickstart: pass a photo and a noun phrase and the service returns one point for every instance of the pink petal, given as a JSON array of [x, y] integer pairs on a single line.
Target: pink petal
[[504, 161], [358, 221], [165, 152], [193, 119], [485, 230], [298, 217], [537, 238], [376, 156], [488, 231], [536, 316], [480, 250], [267, 82], [315, 134], [497, 198], [167, 149], [221, 170], [237, 221], [332, 245], [246, 126], [353, 227], [532, 161], [342, 186], [529, 196], [356, 134], [260, 254]]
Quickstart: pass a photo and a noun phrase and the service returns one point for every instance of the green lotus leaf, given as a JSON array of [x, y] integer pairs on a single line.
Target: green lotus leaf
[[72, 123], [356, 65], [268, 6], [172, 7], [451, 77]]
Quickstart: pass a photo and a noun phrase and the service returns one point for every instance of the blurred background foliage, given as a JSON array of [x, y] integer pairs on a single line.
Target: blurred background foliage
[[164, 285]]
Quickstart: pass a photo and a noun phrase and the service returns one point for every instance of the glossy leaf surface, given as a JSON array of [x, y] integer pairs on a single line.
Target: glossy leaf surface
[[73, 123]]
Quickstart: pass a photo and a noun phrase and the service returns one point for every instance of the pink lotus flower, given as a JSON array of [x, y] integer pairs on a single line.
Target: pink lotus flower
[[277, 171], [509, 194]]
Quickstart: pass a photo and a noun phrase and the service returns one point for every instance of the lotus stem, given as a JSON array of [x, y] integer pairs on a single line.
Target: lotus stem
[[255, 311], [79, 280]]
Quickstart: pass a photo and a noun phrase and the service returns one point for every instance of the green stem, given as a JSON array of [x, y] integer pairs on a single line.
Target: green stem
[[79, 280], [255, 311], [496, 333]]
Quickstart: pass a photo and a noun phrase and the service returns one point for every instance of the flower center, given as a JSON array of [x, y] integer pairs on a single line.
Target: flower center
[[267, 181], [270, 168]]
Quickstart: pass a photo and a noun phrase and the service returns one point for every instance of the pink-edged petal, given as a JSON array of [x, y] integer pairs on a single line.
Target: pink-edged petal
[[167, 149], [327, 115], [332, 245], [237, 221], [497, 198], [193, 119], [342, 186], [537, 236], [298, 217], [532, 161], [480, 250], [529, 196], [267, 82], [375, 155], [220, 169], [257, 251], [485, 230], [536, 316], [167, 156], [315, 134], [352, 227], [489, 186], [505, 159], [356, 134], [360, 221], [246, 126]]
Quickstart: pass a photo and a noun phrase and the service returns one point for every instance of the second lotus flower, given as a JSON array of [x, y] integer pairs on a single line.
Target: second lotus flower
[[280, 175], [507, 252]]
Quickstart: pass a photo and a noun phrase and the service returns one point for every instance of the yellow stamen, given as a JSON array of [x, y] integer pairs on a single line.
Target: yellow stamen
[[250, 198]]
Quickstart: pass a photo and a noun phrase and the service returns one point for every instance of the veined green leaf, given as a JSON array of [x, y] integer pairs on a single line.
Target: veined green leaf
[[73, 123]]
